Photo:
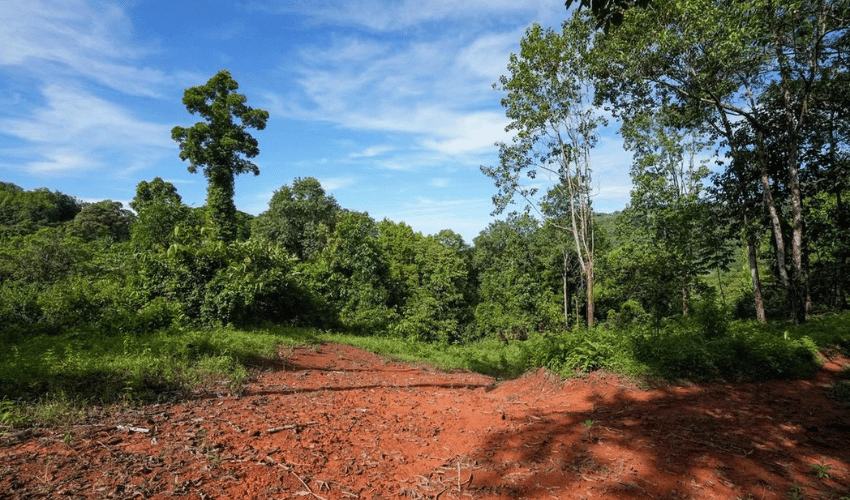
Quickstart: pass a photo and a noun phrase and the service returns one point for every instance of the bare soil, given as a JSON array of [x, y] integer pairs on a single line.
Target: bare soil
[[335, 422]]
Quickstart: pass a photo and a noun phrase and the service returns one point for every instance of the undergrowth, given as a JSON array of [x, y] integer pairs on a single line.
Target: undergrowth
[[52, 379]]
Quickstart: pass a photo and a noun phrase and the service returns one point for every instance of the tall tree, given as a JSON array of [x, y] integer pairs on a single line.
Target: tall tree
[[714, 61], [219, 146], [549, 94], [667, 204]]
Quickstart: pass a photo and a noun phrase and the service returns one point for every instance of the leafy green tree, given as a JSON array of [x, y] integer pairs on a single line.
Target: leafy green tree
[[737, 193], [712, 62], [159, 210], [106, 219], [427, 281], [299, 217], [155, 191], [25, 212], [608, 13], [666, 205], [350, 274], [509, 260], [549, 100], [219, 146]]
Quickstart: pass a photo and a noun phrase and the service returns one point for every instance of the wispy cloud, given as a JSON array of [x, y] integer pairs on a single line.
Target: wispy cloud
[[383, 16], [334, 183], [69, 132], [433, 85], [75, 54], [76, 38], [373, 151]]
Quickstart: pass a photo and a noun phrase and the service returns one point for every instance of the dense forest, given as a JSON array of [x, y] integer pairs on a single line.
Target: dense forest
[[736, 114]]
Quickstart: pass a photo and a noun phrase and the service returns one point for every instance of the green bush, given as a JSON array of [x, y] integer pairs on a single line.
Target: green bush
[[746, 351]]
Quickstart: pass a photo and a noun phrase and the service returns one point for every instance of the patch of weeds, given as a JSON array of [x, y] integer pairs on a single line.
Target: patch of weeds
[[11, 415], [822, 470], [68, 439], [796, 492], [840, 390], [215, 460], [588, 423]]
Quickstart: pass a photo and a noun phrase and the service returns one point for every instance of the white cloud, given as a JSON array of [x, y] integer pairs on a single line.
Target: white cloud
[[401, 15], [373, 151], [441, 182], [440, 98], [334, 183], [76, 130], [79, 39]]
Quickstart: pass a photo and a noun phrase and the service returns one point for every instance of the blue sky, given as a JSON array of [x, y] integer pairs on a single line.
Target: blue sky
[[388, 103]]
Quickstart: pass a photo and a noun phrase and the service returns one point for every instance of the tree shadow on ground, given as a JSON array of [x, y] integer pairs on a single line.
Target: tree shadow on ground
[[768, 440]]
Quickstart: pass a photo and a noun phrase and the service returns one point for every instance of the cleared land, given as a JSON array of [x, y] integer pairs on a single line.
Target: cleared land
[[335, 422]]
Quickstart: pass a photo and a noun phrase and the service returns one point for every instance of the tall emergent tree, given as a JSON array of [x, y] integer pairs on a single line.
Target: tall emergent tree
[[219, 146], [549, 98]]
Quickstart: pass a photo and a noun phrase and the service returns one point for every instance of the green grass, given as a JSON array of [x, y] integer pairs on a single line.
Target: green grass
[[54, 379], [49, 379]]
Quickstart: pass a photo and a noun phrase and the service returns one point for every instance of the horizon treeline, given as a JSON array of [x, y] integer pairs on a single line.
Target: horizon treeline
[[68, 266]]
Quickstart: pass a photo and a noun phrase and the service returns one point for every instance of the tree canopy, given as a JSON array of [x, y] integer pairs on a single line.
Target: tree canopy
[[220, 147]]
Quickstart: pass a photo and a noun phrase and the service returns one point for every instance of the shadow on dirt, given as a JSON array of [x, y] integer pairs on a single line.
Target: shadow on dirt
[[768, 440]]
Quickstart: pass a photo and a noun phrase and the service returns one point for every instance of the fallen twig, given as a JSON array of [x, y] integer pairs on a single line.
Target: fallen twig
[[272, 430], [305, 485], [131, 429]]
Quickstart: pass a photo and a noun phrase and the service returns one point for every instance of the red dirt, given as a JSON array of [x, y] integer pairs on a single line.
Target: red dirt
[[335, 422]]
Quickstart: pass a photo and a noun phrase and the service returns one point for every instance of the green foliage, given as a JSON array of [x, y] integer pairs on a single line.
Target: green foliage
[[106, 220], [160, 210], [299, 217], [219, 146], [747, 351], [25, 212], [81, 368], [10, 414], [214, 283], [821, 470], [509, 260], [840, 390], [350, 276], [427, 280]]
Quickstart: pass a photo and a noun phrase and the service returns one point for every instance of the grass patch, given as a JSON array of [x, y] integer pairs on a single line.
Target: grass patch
[[488, 356], [47, 379]]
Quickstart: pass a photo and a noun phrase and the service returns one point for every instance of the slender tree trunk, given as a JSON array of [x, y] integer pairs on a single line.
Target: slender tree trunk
[[566, 296], [752, 262], [776, 225], [590, 304]]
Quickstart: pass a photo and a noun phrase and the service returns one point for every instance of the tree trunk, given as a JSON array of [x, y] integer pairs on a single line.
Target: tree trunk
[[590, 306], [752, 262], [566, 296]]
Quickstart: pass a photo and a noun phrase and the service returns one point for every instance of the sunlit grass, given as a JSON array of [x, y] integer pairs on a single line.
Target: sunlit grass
[[48, 379]]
